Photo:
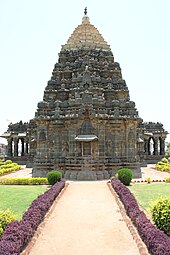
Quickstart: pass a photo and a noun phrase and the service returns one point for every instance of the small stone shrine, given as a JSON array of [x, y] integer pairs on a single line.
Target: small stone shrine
[[86, 126]]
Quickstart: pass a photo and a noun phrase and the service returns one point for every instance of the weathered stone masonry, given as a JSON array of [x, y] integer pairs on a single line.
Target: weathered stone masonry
[[86, 126]]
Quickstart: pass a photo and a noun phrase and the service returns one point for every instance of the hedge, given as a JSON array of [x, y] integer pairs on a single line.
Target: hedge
[[163, 165], [161, 214], [23, 181], [125, 176], [167, 179], [6, 216], [7, 167], [157, 242], [53, 177], [18, 233]]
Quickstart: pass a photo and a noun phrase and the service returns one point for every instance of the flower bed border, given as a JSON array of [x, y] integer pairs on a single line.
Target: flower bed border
[[157, 242], [23, 181], [18, 234]]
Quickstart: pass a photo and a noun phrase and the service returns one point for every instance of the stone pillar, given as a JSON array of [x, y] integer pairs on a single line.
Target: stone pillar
[[82, 149], [162, 146], [16, 147], [9, 148], [22, 147], [26, 147], [155, 146], [146, 147]]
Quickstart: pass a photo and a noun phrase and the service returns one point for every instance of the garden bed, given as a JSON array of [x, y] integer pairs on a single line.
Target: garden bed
[[146, 193], [157, 242], [18, 233], [19, 197]]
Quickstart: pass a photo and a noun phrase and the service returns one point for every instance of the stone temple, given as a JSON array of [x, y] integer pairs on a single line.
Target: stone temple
[[86, 126]]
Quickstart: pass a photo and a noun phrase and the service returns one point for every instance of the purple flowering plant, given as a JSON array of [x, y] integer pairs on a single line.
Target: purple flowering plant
[[157, 242], [17, 234]]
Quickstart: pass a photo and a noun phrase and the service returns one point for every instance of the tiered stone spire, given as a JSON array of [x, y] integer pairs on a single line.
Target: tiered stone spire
[[86, 126], [86, 36]]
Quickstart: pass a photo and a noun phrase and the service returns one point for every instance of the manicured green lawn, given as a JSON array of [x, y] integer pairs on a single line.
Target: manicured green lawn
[[18, 197], [146, 193]]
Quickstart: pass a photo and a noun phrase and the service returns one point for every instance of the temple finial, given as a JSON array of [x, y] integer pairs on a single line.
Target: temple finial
[[85, 11]]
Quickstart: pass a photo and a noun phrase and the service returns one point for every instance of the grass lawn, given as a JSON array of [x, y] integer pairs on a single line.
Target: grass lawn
[[146, 193], [19, 197]]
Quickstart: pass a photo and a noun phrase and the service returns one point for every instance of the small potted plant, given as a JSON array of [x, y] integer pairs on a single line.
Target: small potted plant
[[148, 179]]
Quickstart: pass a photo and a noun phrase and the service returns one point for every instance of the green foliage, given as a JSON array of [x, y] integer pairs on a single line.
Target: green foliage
[[125, 176], [114, 176], [7, 167], [163, 165], [1, 157], [5, 217], [19, 197], [53, 177], [161, 214], [1, 231], [1, 162], [148, 179], [167, 179], [23, 181], [164, 160], [8, 161], [168, 149], [145, 193]]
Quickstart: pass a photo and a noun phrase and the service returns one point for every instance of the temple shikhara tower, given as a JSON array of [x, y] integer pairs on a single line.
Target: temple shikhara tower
[[86, 126]]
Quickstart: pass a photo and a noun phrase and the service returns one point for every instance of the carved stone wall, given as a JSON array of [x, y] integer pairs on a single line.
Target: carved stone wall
[[86, 126]]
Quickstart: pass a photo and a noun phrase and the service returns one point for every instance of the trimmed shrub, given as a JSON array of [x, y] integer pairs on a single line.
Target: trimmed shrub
[[157, 242], [8, 161], [5, 217], [125, 176], [17, 234], [161, 214], [2, 157], [163, 165], [167, 179], [23, 181], [164, 160], [53, 177], [1, 162], [8, 166]]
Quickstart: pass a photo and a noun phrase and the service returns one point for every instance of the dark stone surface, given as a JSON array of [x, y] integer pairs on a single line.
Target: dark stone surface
[[87, 95]]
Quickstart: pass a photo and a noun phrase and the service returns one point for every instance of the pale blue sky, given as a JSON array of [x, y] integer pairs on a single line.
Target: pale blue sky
[[32, 32]]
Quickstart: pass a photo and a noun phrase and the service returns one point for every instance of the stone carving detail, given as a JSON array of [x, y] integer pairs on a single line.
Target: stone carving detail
[[42, 135], [87, 128], [86, 125]]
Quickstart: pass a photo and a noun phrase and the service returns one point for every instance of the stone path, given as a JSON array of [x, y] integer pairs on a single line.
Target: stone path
[[24, 172], [154, 174], [85, 220]]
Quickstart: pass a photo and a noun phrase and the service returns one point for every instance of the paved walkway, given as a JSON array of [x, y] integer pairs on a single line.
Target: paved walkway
[[154, 174], [85, 220], [24, 172]]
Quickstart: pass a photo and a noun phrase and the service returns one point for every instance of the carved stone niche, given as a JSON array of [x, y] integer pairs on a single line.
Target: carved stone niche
[[42, 135], [63, 94], [109, 94], [87, 98]]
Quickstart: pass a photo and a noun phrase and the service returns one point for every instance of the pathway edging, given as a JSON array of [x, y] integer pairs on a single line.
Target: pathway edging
[[140, 244], [40, 228]]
